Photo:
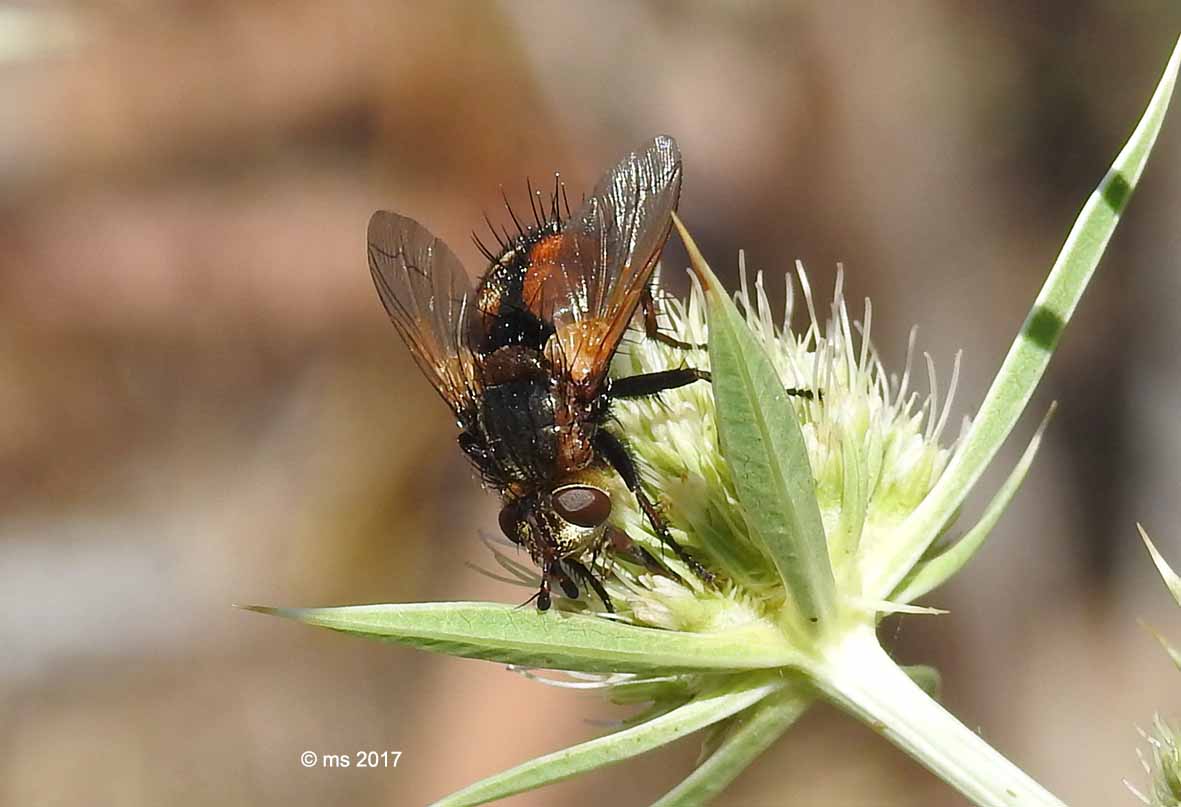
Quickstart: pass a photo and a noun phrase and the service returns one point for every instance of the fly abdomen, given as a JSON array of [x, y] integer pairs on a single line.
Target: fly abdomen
[[507, 365]]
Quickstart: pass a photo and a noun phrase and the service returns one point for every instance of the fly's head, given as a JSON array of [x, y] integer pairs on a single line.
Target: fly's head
[[558, 523]]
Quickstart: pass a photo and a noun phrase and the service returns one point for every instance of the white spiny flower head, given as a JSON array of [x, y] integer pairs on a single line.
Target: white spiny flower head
[[873, 446]]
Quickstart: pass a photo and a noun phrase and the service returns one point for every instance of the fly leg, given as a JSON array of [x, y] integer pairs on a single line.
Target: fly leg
[[652, 327], [542, 596], [645, 384], [564, 582], [552, 570], [616, 454], [652, 383], [589, 576], [623, 546]]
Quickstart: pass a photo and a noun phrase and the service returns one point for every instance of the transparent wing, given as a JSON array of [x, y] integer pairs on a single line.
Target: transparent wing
[[428, 296], [606, 255]]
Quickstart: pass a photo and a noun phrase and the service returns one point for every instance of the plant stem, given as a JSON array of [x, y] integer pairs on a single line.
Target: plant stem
[[858, 676]]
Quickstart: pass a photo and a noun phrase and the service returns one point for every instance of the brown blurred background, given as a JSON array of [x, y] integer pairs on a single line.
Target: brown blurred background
[[201, 401]]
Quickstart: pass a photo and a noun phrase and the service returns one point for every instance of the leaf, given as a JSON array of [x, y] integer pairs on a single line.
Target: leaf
[[752, 733], [699, 713], [1173, 652], [1166, 572], [764, 449], [551, 640], [1031, 350], [891, 607], [931, 574]]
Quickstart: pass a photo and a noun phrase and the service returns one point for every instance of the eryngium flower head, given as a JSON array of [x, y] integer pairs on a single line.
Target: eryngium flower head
[[873, 446]]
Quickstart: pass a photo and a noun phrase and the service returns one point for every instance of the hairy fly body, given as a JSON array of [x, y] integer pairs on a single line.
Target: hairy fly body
[[522, 360]]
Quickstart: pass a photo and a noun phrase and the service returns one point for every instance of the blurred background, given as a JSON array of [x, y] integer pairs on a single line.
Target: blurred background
[[202, 403]]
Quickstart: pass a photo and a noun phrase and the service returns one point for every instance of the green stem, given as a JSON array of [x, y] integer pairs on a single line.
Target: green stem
[[858, 676]]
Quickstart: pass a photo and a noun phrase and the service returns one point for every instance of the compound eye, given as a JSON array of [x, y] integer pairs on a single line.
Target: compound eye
[[509, 518], [582, 505]]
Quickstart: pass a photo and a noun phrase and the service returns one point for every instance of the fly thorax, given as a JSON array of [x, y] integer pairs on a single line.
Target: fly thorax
[[575, 445], [516, 420]]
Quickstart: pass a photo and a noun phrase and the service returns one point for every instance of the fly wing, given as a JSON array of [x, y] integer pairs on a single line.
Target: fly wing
[[605, 258], [428, 296]]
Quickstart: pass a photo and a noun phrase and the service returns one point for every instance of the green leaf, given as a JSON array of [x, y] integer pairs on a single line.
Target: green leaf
[[703, 711], [933, 573], [854, 498], [1166, 572], [1173, 652], [1030, 352], [1174, 584], [764, 449], [888, 607], [751, 733], [550, 640]]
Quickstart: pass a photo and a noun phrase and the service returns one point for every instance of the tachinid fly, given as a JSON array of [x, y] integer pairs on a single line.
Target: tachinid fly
[[522, 359]]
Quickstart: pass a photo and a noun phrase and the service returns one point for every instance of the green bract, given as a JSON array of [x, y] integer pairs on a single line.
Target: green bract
[[816, 515]]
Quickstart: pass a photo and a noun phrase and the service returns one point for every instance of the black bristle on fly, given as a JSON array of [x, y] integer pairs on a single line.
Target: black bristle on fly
[[533, 204], [520, 227], [546, 219], [487, 253], [492, 228]]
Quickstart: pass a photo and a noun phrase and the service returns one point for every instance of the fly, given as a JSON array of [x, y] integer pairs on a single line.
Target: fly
[[522, 360]]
